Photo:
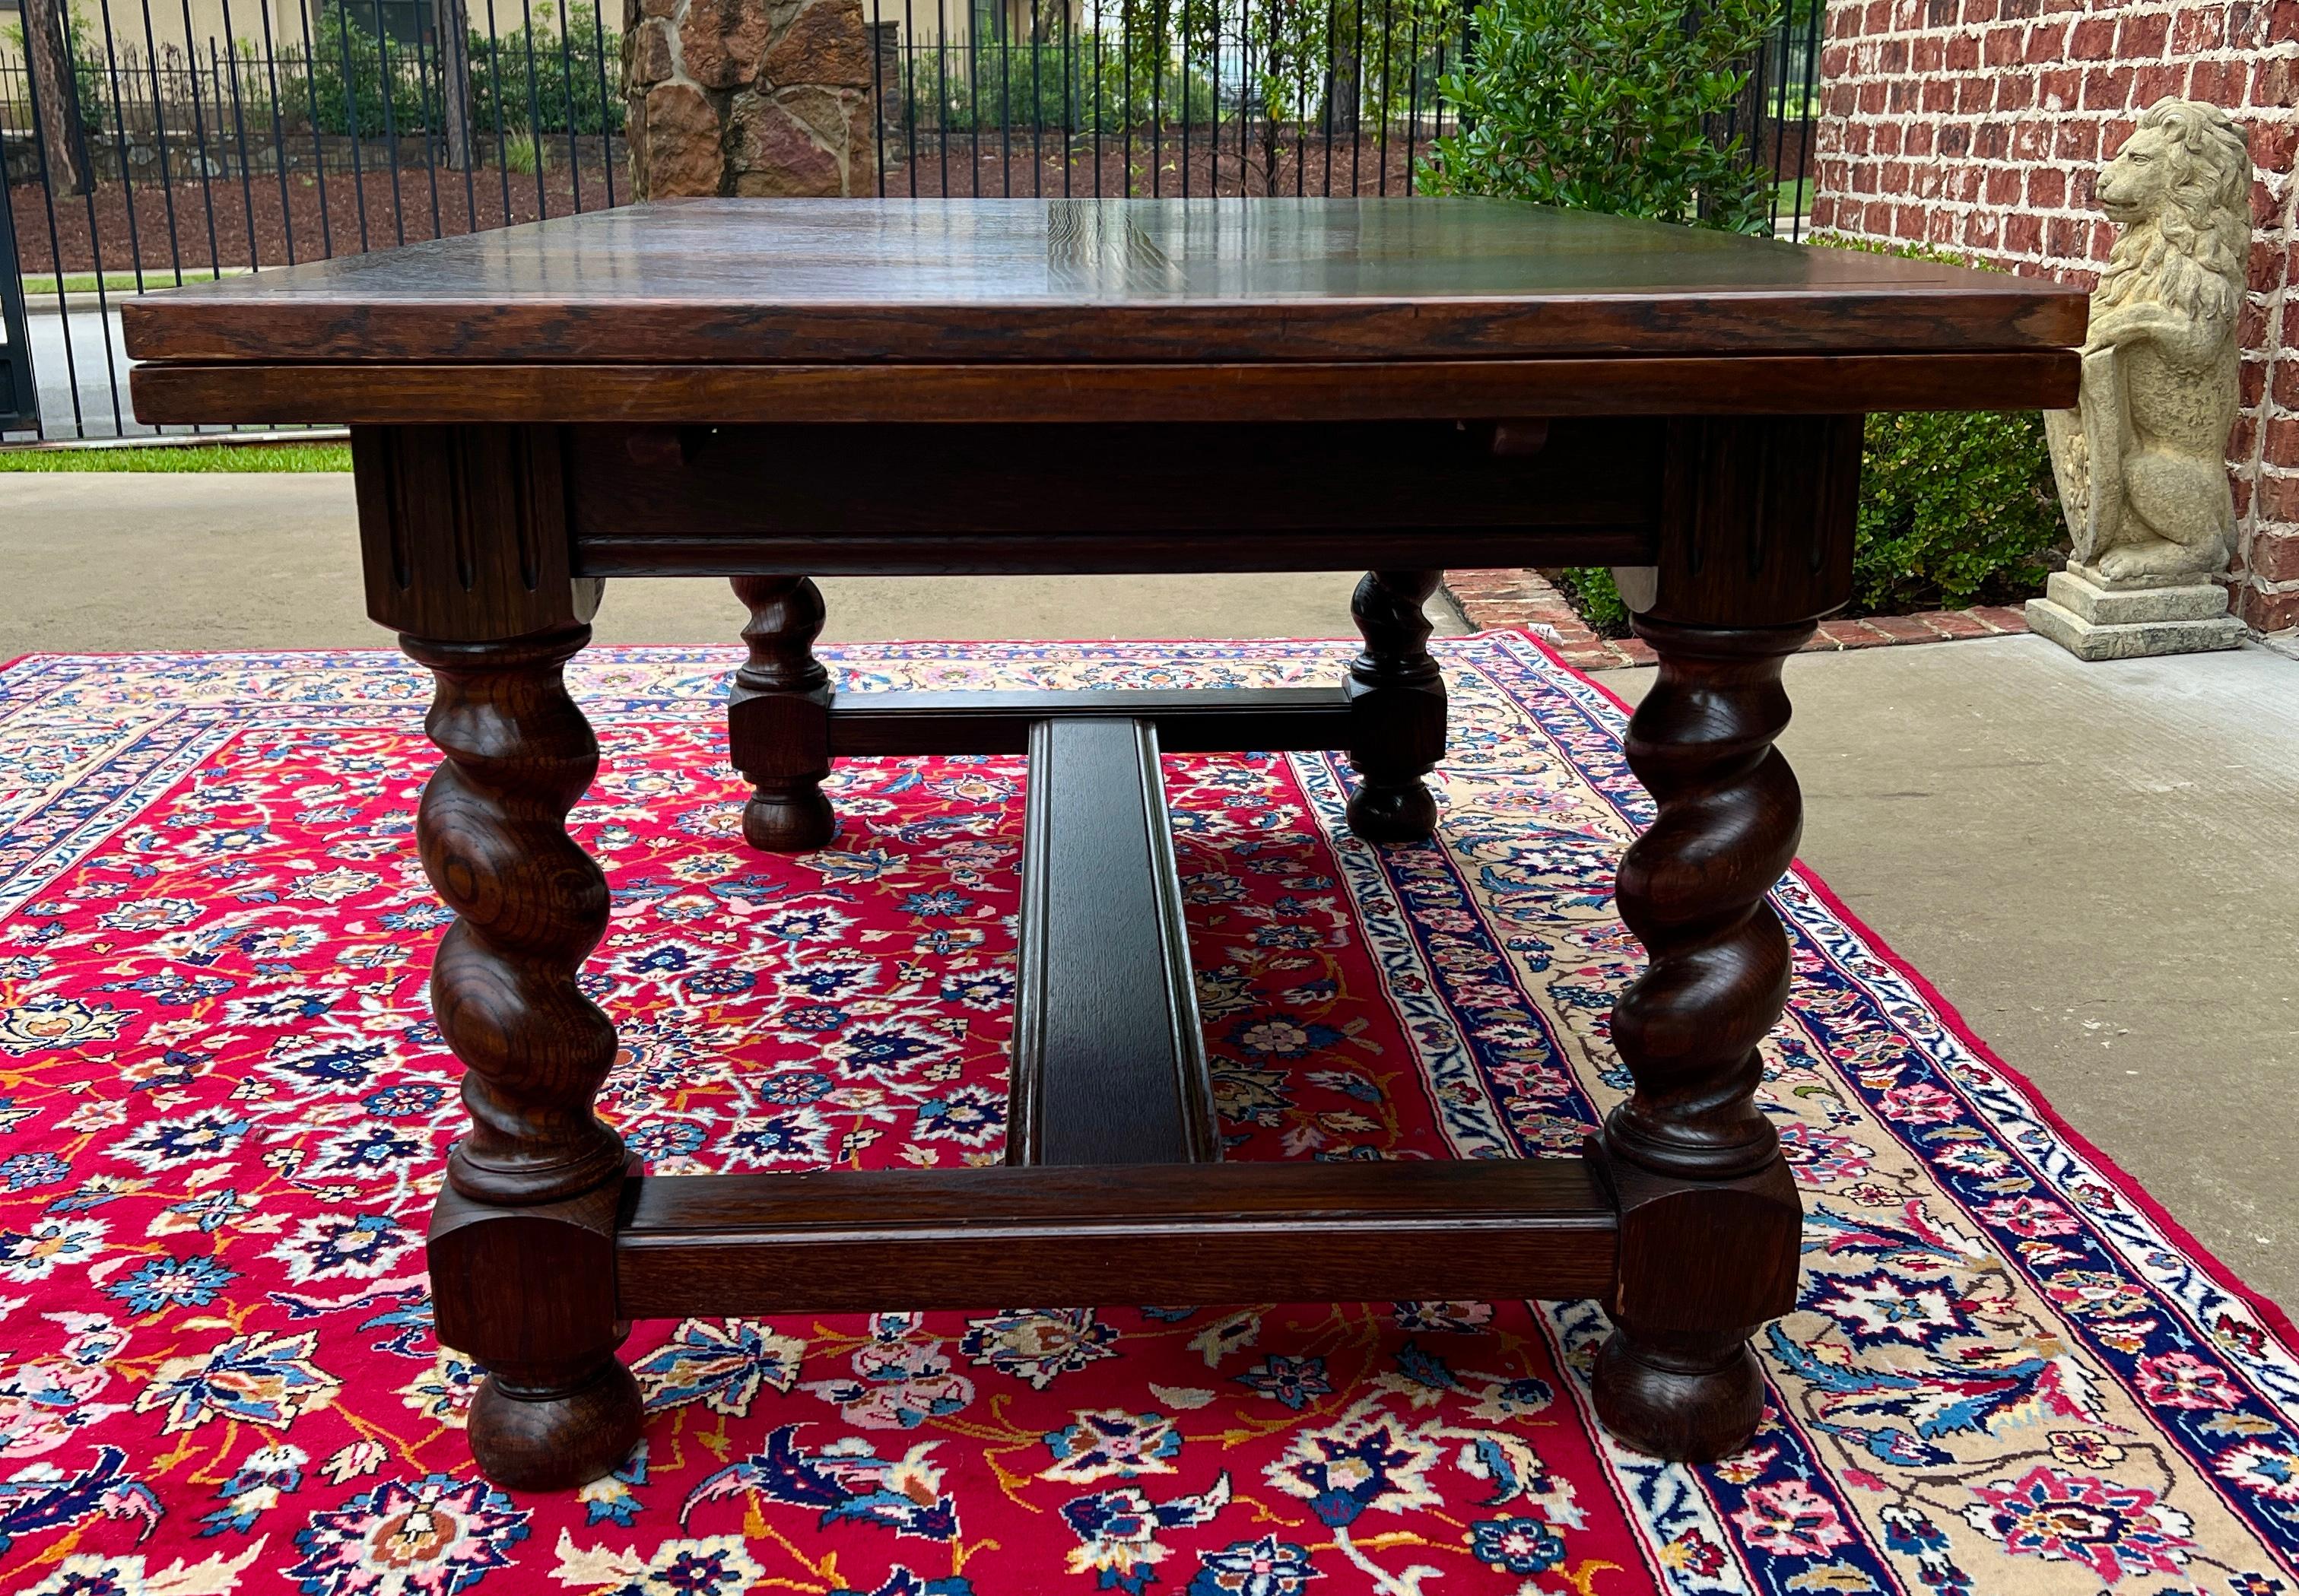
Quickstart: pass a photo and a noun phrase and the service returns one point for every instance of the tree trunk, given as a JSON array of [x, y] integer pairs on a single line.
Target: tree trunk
[[47, 51], [454, 36], [1345, 91]]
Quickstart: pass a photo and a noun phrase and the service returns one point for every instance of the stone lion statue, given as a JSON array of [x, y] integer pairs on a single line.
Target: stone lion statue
[[2142, 465]]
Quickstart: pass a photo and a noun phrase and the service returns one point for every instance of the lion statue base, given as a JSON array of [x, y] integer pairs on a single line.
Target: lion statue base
[[2094, 616], [2141, 463]]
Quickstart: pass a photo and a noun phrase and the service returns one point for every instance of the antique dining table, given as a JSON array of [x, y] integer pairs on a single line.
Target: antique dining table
[[775, 390]]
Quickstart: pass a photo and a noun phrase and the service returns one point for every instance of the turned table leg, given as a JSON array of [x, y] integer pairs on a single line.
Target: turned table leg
[[778, 716], [1396, 708], [1709, 1214], [522, 1242], [1757, 515]]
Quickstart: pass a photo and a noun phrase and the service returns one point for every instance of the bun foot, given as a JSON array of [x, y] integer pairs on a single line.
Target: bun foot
[[790, 823], [1691, 1404], [555, 1441], [1393, 814]]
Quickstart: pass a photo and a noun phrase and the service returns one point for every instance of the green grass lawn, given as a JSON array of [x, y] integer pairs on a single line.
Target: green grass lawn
[[201, 457], [37, 284]]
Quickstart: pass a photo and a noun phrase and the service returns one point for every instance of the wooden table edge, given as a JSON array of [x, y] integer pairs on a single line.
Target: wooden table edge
[[228, 321], [288, 392]]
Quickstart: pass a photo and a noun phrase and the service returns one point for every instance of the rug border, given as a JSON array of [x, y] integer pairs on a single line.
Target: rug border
[[2276, 1318]]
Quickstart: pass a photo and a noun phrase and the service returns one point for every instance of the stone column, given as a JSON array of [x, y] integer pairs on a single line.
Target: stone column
[[754, 98]]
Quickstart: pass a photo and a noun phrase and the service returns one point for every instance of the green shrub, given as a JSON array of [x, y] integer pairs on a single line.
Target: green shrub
[[1956, 507], [526, 155], [527, 78], [349, 66], [533, 76], [1052, 85], [1589, 590], [1608, 105]]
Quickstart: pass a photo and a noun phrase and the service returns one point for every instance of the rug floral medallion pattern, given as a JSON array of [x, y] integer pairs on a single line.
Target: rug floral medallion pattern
[[224, 1109]]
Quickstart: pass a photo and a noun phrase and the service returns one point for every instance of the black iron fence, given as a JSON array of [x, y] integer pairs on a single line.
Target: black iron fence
[[1191, 99], [1213, 98], [20, 402], [143, 149]]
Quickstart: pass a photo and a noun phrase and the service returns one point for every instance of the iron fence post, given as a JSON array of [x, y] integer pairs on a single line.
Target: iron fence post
[[20, 395]]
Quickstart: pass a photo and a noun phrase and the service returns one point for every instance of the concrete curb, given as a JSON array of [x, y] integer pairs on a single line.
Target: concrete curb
[[1522, 598]]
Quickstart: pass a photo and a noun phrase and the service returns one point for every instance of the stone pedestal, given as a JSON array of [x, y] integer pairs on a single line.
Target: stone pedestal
[[2094, 616]]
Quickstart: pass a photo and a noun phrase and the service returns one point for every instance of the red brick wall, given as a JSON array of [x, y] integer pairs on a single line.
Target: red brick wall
[[1978, 125]]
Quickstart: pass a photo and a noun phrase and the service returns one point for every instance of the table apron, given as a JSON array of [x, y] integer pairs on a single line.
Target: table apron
[[1235, 550], [250, 392], [906, 500]]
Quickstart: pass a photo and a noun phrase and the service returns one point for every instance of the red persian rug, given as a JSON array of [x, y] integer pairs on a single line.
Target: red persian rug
[[224, 1110]]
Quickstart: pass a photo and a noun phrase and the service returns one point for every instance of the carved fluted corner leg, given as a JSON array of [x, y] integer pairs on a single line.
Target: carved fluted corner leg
[[1709, 1215], [522, 1243], [778, 716], [1397, 707]]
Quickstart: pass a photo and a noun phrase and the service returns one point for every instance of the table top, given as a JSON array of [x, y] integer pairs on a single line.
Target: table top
[[1027, 310], [868, 280]]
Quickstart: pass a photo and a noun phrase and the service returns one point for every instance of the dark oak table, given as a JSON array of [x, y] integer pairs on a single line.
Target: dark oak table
[[774, 391]]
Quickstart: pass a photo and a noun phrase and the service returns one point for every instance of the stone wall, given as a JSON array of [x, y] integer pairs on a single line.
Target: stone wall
[[1978, 125], [763, 98]]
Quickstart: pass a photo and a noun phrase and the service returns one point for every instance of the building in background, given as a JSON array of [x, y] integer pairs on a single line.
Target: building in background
[[185, 24]]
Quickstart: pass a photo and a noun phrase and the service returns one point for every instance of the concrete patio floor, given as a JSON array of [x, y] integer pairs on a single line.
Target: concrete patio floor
[[2092, 862], [234, 561]]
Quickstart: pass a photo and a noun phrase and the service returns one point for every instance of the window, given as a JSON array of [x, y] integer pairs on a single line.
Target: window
[[401, 21]]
